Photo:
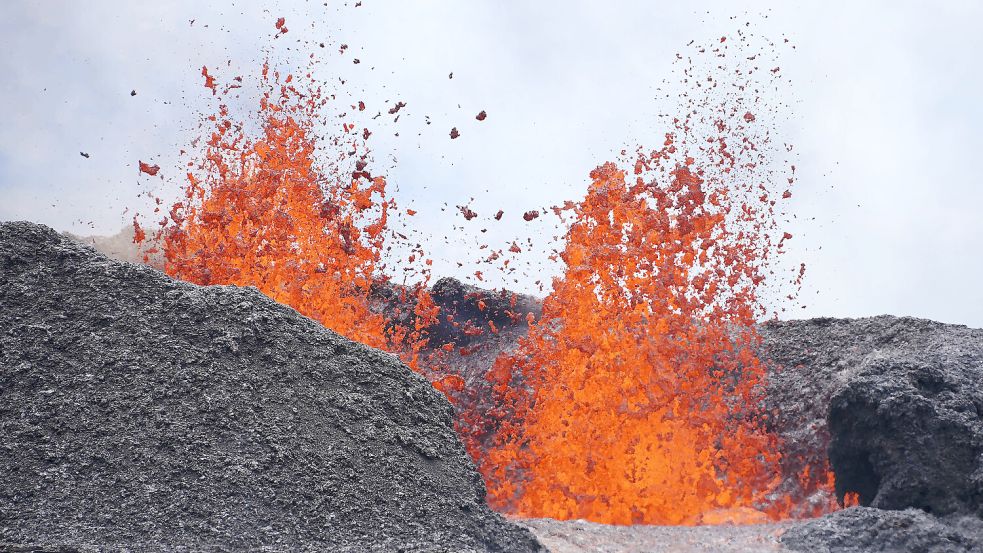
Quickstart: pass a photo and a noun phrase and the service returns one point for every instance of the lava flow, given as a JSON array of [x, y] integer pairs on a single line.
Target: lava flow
[[633, 399], [636, 398]]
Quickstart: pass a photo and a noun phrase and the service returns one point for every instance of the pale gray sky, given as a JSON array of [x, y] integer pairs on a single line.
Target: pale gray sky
[[885, 115]]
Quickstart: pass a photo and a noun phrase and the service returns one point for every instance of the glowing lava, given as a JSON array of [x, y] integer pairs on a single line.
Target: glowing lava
[[262, 211], [635, 398]]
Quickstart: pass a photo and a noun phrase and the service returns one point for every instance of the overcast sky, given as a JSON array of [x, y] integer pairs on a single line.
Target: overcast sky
[[884, 112]]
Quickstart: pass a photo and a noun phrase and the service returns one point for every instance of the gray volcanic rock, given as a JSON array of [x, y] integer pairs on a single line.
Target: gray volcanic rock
[[908, 432], [904, 402], [139, 412], [855, 530], [473, 328], [474, 308], [867, 530], [580, 536], [902, 397]]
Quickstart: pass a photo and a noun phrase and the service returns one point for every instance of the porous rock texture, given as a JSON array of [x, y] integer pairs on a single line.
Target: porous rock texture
[[869, 530], [897, 400], [139, 412]]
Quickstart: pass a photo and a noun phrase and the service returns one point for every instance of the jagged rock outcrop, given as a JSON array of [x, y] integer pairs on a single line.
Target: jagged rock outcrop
[[867, 530], [139, 412], [897, 403], [465, 309], [894, 403], [908, 432]]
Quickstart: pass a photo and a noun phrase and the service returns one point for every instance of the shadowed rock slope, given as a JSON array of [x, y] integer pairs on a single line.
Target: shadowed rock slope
[[137, 411], [897, 400]]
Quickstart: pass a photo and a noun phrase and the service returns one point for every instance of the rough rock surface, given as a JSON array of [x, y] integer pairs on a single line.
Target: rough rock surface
[[903, 398], [855, 530], [868, 530], [137, 411], [474, 327], [474, 308], [908, 432]]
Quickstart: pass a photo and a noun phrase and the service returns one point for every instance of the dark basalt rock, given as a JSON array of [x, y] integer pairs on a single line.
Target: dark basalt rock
[[473, 308], [137, 412], [866, 530], [895, 401], [908, 432], [465, 311]]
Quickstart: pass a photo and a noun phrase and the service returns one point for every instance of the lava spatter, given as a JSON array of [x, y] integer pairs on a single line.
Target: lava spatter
[[263, 210], [636, 396], [633, 399]]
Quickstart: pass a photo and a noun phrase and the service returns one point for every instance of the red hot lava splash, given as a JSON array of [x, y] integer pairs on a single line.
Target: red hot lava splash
[[265, 212], [636, 397]]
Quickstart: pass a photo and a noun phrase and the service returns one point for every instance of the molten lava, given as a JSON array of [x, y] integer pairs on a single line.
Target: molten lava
[[635, 398], [262, 211]]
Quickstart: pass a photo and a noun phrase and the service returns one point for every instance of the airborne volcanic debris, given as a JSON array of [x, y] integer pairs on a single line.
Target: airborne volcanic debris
[[149, 169]]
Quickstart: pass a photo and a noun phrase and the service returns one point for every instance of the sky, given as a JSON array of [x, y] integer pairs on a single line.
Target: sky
[[882, 106]]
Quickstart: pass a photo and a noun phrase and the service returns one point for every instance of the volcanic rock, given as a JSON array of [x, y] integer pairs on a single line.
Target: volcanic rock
[[898, 401], [902, 396], [908, 432], [867, 530], [465, 311], [474, 327], [580, 536], [473, 307], [855, 530], [140, 412]]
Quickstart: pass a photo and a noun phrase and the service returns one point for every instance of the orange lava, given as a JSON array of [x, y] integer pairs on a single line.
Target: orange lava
[[634, 399], [261, 210], [149, 169]]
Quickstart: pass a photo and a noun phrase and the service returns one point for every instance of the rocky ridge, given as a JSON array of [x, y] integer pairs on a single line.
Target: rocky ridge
[[141, 412]]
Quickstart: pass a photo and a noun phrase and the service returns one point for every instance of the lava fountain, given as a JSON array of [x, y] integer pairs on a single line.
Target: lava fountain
[[266, 211], [636, 397], [633, 399]]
